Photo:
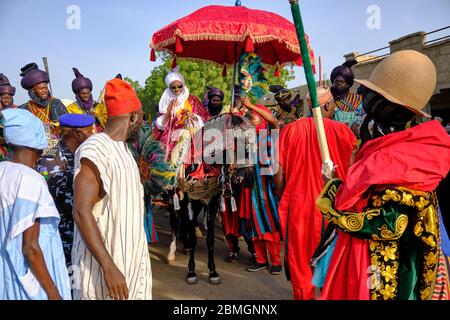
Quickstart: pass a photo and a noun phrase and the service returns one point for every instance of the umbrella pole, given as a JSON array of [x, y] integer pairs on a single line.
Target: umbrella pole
[[237, 4], [234, 77], [327, 167]]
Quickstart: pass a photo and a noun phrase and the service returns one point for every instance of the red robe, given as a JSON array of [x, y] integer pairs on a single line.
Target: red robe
[[417, 158], [302, 164]]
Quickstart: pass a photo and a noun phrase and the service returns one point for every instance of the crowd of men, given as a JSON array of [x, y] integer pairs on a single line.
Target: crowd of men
[[74, 197]]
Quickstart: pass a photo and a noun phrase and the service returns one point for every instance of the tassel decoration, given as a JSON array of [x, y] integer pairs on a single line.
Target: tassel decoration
[[153, 55], [233, 205], [276, 73], [174, 62], [176, 202], [249, 45], [205, 220], [178, 46], [224, 70], [223, 208], [190, 211]]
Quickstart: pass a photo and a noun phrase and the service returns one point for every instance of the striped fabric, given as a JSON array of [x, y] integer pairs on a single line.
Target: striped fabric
[[349, 110], [350, 103], [120, 219], [441, 286], [259, 205]]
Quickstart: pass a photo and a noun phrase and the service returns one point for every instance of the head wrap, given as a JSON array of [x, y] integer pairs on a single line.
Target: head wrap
[[168, 95], [345, 72], [76, 120], [32, 76], [174, 75], [323, 95], [80, 82], [22, 128], [120, 98], [209, 94], [215, 92], [5, 86], [33, 96]]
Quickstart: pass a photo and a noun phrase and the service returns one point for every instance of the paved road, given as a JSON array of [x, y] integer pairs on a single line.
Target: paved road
[[237, 283]]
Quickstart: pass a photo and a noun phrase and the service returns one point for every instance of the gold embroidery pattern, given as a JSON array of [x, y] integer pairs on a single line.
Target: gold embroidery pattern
[[419, 207], [425, 227], [384, 257], [348, 221]]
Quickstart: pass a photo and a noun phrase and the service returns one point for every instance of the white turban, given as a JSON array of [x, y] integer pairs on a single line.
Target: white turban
[[174, 75]]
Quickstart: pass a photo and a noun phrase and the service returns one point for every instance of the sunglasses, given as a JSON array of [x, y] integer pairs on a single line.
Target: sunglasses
[[176, 87]]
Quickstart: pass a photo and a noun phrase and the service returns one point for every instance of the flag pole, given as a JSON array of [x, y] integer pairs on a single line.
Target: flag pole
[[327, 166]]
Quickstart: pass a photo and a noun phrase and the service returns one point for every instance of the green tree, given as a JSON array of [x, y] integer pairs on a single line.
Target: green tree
[[198, 75]]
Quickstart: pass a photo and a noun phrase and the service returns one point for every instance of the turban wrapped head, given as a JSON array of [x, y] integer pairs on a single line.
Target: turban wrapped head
[[215, 92], [345, 72], [80, 82], [22, 128], [32, 76], [174, 76], [120, 98], [5, 86]]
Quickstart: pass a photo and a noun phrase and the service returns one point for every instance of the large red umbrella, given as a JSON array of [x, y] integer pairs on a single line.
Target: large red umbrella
[[217, 33]]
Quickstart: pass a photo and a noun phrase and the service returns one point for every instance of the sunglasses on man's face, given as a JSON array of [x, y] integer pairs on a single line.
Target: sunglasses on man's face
[[176, 87]]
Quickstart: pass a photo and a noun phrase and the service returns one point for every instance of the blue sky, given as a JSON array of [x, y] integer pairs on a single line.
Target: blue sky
[[115, 35]]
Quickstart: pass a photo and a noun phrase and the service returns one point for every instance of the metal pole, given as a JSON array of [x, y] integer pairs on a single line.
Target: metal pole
[[327, 167], [48, 72], [237, 4], [234, 77]]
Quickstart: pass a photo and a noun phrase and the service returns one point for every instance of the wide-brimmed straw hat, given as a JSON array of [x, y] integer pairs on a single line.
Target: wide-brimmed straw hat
[[407, 78]]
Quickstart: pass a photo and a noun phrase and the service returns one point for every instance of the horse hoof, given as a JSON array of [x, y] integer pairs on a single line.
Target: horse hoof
[[191, 278], [214, 278]]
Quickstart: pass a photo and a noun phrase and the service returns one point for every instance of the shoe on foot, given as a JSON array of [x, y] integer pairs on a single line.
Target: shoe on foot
[[232, 256], [275, 270], [257, 267]]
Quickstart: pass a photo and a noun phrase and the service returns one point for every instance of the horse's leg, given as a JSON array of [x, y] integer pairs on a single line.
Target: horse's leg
[[212, 209], [173, 229], [192, 243]]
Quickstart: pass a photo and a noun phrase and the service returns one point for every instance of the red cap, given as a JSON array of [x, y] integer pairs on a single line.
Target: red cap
[[120, 98]]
